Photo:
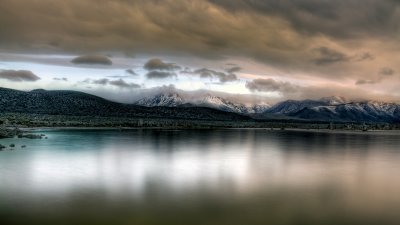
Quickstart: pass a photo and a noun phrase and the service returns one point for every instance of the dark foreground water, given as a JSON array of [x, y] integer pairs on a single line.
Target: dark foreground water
[[189, 177]]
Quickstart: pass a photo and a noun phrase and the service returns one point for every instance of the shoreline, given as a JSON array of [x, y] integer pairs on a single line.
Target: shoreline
[[32, 129]]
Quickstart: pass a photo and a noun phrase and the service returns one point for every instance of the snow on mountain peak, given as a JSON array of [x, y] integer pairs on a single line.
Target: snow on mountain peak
[[211, 101], [168, 100]]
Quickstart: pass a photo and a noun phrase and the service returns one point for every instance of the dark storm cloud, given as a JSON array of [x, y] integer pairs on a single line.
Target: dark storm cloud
[[338, 19], [208, 73], [273, 32], [271, 85], [159, 74], [158, 64], [357, 36], [92, 59], [117, 83], [18, 75], [328, 56], [263, 29]]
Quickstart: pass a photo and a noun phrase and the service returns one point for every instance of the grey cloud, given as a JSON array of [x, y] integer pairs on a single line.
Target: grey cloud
[[186, 70], [118, 83], [327, 55], [60, 79], [382, 74], [233, 69], [102, 81], [231, 64], [228, 78], [158, 64], [208, 73], [363, 81], [279, 34], [18, 75], [123, 84], [271, 85], [159, 74], [92, 59], [364, 56], [338, 19], [386, 71], [131, 72]]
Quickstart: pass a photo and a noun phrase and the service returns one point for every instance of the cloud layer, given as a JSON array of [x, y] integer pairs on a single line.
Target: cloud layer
[[271, 85], [346, 42], [92, 59], [158, 64], [18, 75], [120, 83]]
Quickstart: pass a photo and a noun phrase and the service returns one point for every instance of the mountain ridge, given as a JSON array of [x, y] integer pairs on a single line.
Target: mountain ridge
[[172, 99], [174, 106]]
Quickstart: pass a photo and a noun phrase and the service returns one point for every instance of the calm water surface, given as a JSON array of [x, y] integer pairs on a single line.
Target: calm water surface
[[244, 176]]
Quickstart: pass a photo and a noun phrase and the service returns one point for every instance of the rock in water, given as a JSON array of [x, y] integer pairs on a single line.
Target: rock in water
[[32, 136]]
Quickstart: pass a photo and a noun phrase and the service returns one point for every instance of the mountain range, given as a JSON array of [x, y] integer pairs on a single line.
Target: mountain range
[[333, 108], [337, 109], [172, 99], [174, 106]]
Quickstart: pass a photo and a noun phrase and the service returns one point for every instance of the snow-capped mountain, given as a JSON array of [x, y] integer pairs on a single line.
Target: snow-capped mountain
[[168, 100], [222, 104], [259, 108], [355, 111], [338, 109], [325, 109], [210, 101], [292, 106]]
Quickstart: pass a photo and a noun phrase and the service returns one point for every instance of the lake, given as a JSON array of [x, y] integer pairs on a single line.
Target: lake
[[227, 176]]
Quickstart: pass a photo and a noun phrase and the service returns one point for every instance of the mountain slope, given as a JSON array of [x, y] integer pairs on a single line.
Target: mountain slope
[[357, 111], [81, 104], [293, 106]]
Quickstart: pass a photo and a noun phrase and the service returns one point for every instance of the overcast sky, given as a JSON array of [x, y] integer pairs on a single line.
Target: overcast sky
[[266, 49]]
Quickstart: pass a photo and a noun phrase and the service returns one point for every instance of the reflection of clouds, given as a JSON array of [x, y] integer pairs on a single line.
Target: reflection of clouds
[[173, 162]]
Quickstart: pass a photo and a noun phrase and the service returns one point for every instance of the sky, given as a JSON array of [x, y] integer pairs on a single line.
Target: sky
[[253, 50]]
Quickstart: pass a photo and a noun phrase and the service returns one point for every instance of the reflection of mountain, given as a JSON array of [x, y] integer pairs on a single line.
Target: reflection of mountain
[[210, 101]]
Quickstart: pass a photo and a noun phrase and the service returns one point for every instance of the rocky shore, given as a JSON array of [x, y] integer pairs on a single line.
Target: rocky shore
[[7, 132], [11, 132]]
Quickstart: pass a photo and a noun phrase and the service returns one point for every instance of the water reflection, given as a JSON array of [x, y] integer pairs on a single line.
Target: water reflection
[[137, 165]]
